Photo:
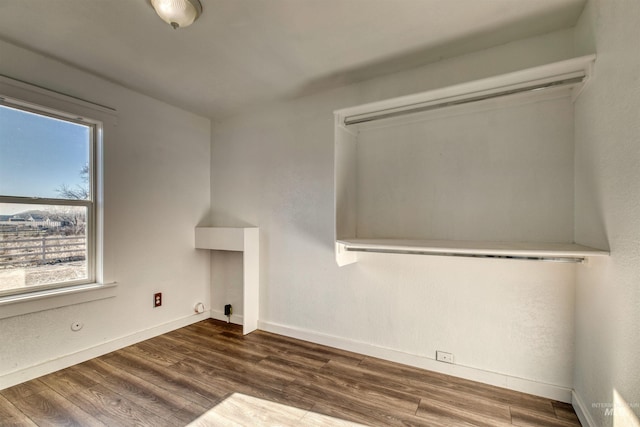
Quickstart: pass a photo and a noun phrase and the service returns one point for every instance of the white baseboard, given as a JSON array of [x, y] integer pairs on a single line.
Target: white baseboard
[[550, 391], [35, 371], [581, 411], [236, 319]]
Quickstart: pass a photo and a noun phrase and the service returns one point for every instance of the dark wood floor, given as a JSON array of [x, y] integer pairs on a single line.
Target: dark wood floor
[[209, 374]]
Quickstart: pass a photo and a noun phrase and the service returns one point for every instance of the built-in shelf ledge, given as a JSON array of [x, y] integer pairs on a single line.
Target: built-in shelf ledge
[[558, 252]]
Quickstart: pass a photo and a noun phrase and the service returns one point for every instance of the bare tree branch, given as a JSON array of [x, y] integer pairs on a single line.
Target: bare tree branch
[[79, 191]]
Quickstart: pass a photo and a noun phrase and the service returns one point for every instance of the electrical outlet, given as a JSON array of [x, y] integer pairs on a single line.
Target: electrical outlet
[[157, 299], [442, 356], [228, 310]]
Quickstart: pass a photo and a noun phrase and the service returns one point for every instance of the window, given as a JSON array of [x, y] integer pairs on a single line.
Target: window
[[47, 199]]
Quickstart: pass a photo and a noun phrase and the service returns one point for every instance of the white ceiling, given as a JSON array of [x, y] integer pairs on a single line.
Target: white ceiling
[[244, 52]]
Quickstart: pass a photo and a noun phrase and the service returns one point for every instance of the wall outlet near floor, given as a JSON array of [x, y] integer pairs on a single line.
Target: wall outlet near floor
[[442, 356], [157, 299]]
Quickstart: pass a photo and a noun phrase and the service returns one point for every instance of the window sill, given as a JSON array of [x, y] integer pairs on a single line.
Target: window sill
[[16, 305]]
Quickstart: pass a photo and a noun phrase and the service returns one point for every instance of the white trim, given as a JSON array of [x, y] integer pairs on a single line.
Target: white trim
[[38, 370], [251, 280], [549, 391], [581, 410], [19, 84], [236, 319], [19, 94]]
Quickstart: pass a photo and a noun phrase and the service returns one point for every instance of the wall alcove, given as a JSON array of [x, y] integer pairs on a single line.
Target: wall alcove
[[480, 169], [247, 241]]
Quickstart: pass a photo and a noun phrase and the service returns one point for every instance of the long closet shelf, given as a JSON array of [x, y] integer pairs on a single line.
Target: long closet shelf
[[559, 252]]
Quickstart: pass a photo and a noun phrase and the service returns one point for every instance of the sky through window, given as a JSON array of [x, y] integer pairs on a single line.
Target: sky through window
[[40, 154]]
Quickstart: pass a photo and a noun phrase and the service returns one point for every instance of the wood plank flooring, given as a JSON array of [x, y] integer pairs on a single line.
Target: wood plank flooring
[[209, 374]]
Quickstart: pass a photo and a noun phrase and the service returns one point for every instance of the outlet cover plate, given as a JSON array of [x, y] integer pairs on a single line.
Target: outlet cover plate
[[442, 356]]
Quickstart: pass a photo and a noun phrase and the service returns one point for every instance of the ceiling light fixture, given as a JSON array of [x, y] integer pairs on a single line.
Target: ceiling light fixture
[[178, 13]]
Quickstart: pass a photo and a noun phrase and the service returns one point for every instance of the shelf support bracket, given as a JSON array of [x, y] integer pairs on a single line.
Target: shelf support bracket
[[344, 255]]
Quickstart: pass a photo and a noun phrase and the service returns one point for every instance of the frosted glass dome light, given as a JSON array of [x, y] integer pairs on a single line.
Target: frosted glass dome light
[[178, 13]]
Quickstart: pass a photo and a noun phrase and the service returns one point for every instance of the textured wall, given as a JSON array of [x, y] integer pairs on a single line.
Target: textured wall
[[273, 168], [156, 171], [497, 171], [607, 126]]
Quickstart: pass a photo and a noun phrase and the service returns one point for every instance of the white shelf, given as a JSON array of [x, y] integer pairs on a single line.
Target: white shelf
[[579, 67], [568, 252], [482, 160], [247, 241], [221, 238]]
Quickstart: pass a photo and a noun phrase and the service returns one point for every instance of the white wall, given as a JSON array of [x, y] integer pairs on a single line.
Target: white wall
[[156, 191], [511, 322], [500, 170], [607, 117]]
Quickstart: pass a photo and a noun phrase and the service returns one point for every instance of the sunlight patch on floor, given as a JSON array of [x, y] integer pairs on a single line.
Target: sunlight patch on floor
[[242, 410]]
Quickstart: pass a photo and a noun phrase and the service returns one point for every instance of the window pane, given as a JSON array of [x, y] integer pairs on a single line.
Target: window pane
[[41, 156], [41, 245]]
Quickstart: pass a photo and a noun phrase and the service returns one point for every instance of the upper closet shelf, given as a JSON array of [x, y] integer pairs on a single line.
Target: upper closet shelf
[[572, 73], [558, 252]]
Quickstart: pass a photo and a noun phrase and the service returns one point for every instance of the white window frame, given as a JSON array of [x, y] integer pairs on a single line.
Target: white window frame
[[17, 94], [89, 203]]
